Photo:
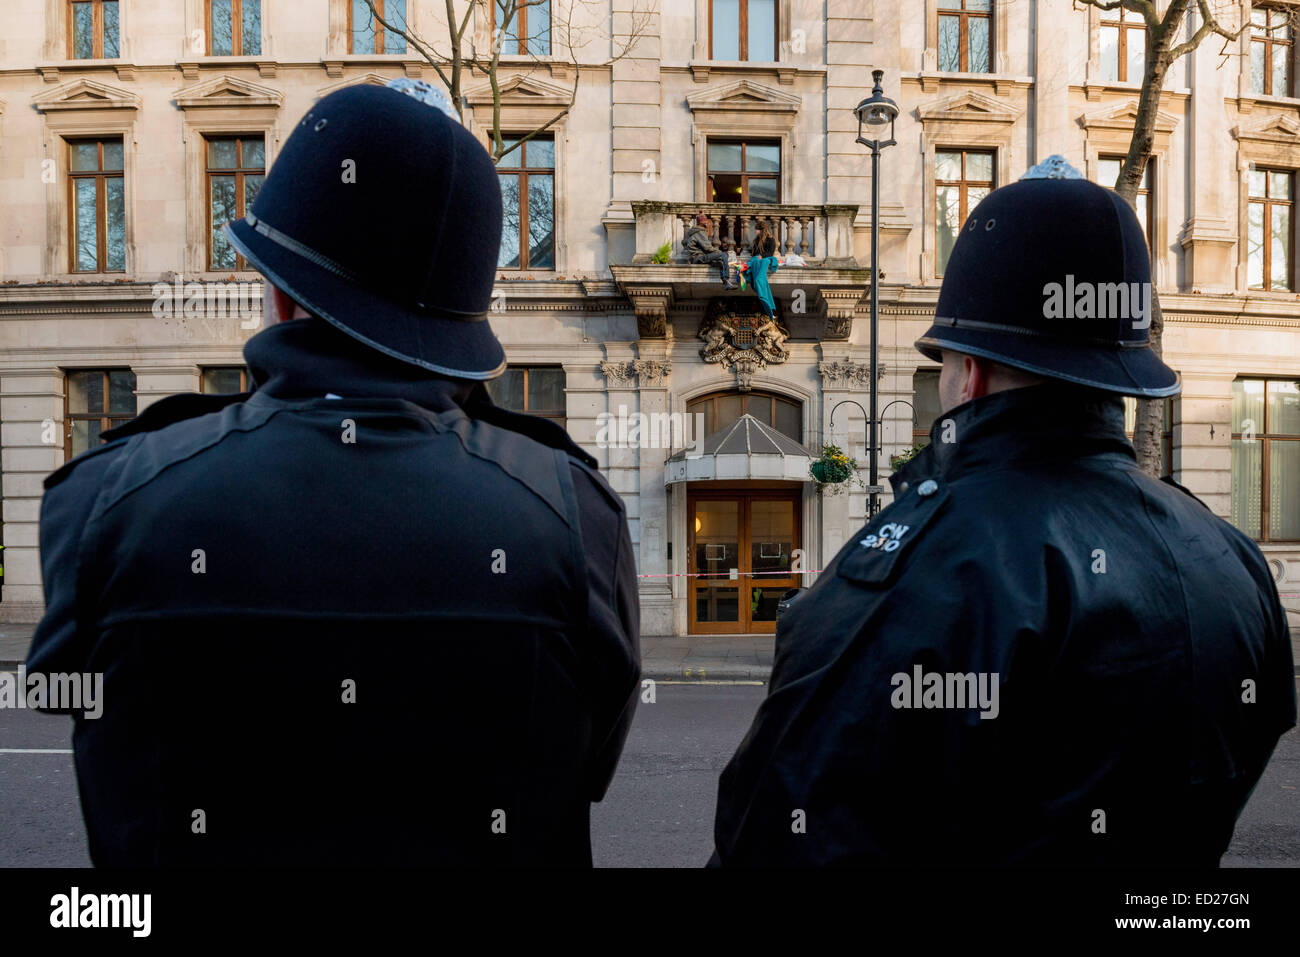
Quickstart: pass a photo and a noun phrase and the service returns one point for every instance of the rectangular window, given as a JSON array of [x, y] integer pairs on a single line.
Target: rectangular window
[[93, 30], [1123, 46], [1269, 227], [1271, 49], [234, 27], [1166, 431], [743, 30], [744, 171], [537, 390], [926, 405], [224, 380], [527, 176], [365, 35], [97, 205], [1108, 168], [94, 401], [236, 168], [1266, 458], [965, 29], [961, 179], [527, 29]]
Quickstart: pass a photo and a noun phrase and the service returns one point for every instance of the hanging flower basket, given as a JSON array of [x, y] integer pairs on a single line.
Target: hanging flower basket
[[833, 468]]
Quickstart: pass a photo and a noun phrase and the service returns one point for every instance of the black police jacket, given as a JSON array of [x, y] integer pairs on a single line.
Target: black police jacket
[[373, 629], [1035, 655]]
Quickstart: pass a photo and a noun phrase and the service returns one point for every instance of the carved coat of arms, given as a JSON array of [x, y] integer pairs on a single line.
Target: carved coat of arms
[[741, 340]]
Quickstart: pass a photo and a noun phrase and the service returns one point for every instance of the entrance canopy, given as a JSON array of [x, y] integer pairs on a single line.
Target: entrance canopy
[[745, 449]]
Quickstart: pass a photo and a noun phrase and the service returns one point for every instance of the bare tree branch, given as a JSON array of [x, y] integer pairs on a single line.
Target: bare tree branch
[[463, 54], [1162, 51], [1209, 25]]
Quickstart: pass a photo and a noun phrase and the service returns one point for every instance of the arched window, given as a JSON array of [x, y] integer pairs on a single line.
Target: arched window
[[722, 408]]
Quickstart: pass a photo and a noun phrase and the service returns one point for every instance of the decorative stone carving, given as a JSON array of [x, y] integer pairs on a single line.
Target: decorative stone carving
[[837, 328], [841, 304], [652, 371], [845, 373], [745, 367], [617, 371], [651, 304], [741, 339]]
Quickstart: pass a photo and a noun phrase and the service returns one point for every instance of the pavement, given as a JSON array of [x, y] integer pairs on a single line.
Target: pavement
[[14, 640], [663, 658], [707, 657]]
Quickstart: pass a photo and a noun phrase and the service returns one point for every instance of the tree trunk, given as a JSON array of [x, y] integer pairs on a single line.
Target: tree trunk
[[1148, 431]]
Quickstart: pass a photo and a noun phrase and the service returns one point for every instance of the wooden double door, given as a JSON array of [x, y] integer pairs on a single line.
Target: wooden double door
[[742, 558]]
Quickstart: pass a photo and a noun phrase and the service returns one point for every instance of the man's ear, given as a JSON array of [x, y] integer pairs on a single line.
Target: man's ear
[[976, 373], [283, 305]]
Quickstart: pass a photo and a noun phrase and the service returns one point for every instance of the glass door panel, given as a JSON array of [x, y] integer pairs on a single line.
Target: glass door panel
[[715, 552], [751, 536]]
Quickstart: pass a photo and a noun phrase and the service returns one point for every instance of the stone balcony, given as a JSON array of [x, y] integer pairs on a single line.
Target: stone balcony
[[822, 235], [829, 287]]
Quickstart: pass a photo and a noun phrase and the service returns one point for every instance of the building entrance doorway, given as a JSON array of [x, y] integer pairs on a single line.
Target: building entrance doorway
[[742, 546]]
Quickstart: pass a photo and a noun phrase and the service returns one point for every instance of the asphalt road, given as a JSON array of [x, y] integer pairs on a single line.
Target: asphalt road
[[658, 812]]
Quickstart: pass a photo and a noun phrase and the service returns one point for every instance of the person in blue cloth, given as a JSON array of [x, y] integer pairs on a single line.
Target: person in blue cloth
[[762, 262]]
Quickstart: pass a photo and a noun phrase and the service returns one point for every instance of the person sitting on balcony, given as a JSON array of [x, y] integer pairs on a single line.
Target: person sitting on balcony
[[762, 260], [699, 249]]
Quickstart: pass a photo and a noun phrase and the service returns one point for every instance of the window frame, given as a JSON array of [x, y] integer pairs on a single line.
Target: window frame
[[1148, 191], [236, 29], [520, 36], [1268, 203], [379, 30], [243, 378], [742, 30], [745, 176], [96, 29], [963, 17], [1265, 438], [963, 185], [711, 416], [560, 416], [100, 176], [1123, 25], [239, 172], [921, 436], [104, 418], [1269, 43], [522, 172]]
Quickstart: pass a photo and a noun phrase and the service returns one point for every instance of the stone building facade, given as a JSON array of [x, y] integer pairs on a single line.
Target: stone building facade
[[128, 129]]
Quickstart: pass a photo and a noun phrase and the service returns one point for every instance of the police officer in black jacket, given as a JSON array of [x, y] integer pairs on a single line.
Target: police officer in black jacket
[[1036, 654], [360, 616]]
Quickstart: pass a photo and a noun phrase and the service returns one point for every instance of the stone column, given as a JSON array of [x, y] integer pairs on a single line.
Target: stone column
[[636, 121], [652, 370], [844, 512], [618, 461], [850, 55], [1203, 439], [1054, 130], [1210, 235], [31, 446]]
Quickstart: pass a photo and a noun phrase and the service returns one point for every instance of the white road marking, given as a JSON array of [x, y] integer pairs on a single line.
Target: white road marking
[[701, 681], [35, 750]]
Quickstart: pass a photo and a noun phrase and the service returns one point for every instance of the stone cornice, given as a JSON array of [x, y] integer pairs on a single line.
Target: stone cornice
[[85, 94], [226, 90], [78, 300]]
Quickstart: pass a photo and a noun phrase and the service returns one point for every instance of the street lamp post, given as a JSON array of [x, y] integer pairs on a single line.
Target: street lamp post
[[874, 114]]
